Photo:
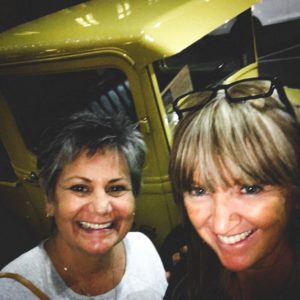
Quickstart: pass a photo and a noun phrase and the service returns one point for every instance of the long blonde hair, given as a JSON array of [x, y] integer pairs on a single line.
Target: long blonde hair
[[225, 143]]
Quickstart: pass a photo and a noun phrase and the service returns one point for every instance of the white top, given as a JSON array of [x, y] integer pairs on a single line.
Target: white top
[[144, 277]]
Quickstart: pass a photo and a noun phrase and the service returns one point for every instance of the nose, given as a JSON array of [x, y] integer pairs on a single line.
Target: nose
[[101, 203], [225, 216]]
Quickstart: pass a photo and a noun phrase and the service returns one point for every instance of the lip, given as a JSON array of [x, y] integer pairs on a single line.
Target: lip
[[90, 227], [235, 238], [235, 241]]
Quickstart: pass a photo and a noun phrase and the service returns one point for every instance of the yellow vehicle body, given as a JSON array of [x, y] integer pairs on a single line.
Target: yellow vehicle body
[[138, 31], [102, 35]]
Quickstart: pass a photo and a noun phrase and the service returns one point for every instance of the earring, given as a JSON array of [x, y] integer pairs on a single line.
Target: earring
[[49, 215]]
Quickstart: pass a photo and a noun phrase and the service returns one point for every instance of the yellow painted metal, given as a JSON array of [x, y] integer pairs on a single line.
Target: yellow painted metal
[[25, 199], [138, 29], [293, 95], [246, 72], [160, 106], [21, 159]]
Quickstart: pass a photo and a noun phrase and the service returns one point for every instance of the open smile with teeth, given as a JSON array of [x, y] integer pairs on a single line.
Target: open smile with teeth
[[232, 239], [88, 225]]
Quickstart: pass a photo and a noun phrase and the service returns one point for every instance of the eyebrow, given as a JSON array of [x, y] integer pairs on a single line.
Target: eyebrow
[[89, 180], [76, 177], [118, 179]]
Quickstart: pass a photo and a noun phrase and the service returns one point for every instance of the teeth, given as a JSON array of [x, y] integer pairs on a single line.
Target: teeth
[[88, 225], [234, 238]]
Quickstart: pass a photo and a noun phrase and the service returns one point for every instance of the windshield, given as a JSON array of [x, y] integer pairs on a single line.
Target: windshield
[[208, 61]]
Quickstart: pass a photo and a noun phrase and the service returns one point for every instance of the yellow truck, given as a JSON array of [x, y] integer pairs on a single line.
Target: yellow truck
[[134, 56]]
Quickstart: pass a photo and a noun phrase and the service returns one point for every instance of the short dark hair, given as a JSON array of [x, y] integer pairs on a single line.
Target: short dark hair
[[92, 132]]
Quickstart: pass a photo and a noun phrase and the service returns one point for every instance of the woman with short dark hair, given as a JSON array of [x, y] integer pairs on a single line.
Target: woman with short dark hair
[[90, 169]]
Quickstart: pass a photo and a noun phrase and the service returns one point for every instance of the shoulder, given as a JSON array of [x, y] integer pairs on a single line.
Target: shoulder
[[12, 289], [144, 273], [138, 239], [140, 248], [29, 260], [33, 265], [30, 266]]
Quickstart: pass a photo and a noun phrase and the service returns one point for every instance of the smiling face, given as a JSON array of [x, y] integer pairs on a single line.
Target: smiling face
[[244, 225], [93, 204]]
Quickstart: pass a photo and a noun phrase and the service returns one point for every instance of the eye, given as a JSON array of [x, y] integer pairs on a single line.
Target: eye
[[251, 189], [197, 191], [79, 188], [117, 190]]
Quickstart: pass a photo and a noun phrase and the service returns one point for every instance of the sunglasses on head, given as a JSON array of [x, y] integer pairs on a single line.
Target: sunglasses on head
[[235, 92]]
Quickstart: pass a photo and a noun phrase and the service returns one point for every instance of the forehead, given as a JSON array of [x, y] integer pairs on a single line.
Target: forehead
[[108, 162]]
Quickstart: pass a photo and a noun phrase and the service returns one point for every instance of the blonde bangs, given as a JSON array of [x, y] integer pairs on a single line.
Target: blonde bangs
[[225, 144]]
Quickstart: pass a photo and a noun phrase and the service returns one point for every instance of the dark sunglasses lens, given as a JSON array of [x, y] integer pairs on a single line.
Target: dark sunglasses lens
[[187, 103], [254, 88]]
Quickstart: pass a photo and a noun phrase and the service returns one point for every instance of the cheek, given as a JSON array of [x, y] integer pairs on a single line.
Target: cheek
[[67, 206], [197, 214], [124, 215], [125, 208], [267, 215]]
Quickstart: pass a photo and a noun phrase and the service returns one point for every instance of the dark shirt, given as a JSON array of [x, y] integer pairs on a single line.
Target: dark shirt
[[178, 287]]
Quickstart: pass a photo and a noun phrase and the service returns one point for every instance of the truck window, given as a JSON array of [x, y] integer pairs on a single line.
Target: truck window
[[207, 62], [38, 100]]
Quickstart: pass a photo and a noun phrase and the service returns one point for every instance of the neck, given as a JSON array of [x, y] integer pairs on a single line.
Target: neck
[[85, 273]]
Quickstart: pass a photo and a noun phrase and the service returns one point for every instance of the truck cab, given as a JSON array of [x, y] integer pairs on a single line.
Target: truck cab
[[130, 56]]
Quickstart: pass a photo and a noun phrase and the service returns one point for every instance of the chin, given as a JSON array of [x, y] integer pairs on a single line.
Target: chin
[[97, 248], [235, 266]]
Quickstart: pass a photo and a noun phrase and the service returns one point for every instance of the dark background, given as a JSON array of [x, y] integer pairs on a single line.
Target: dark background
[[15, 12]]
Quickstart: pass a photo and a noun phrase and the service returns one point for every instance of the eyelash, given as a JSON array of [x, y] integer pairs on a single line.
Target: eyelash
[[251, 189], [79, 188], [197, 191], [116, 190], [245, 190]]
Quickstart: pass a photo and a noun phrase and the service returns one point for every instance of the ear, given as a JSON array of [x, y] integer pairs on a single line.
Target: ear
[[49, 208]]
